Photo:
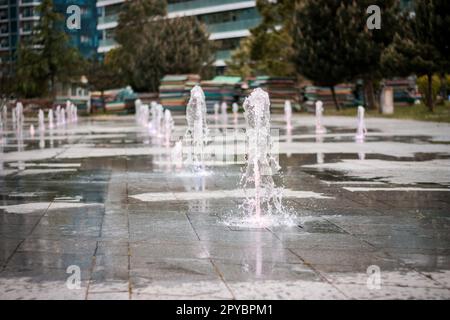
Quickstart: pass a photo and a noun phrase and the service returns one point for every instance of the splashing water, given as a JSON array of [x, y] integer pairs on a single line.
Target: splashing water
[[19, 114], [216, 111], [58, 115], [69, 111], [50, 119], [72, 112], [224, 114], [319, 115], [262, 206], [168, 127], [288, 114], [142, 112], [155, 128], [361, 130], [235, 108], [197, 132], [63, 117], [41, 120], [13, 118], [176, 156]]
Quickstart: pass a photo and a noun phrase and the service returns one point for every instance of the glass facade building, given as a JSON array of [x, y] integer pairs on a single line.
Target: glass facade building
[[228, 21], [18, 17]]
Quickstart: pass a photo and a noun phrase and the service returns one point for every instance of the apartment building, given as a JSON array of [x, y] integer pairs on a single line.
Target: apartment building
[[228, 21]]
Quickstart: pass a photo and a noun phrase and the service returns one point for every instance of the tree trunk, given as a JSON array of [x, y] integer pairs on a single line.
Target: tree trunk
[[429, 102], [370, 94], [336, 103]]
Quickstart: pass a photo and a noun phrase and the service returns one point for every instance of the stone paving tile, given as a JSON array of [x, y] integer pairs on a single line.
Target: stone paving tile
[[344, 257], [285, 290], [58, 246], [123, 295], [169, 290], [182, 249], [49, 260], [243, 253], [361, 292], [401, 277], [253, 270], [28, 289]]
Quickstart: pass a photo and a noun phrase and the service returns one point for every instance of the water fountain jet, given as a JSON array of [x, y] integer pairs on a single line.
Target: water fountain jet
[[319, 115], [197, 132], [361, 130], [263, 203]]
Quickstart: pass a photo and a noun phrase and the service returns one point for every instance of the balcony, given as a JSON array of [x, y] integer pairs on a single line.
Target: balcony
[[24, 3], [106, 44], [108, 19], [197, 4], [29, 17], [24, 32], [107, 22], [233, 25], [223, 55], [197, 7]]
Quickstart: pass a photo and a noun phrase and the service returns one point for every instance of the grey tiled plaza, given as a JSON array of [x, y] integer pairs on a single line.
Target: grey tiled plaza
[[101, 200]]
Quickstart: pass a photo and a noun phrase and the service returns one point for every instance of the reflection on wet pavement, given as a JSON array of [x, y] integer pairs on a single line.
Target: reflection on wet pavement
[[104, 197]]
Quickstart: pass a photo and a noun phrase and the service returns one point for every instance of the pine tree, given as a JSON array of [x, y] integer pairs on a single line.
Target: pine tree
[[47, 57], [421, 46], [319, 47], [333, 43]]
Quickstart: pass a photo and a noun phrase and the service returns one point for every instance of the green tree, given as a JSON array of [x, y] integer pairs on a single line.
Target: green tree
[[103, 75], [333, 43], [419, 47], [319, 45], [152, 46], [46, 57], [268, 50]]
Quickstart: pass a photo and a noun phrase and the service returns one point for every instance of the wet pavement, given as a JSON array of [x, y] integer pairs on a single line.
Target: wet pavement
[[101, 202]]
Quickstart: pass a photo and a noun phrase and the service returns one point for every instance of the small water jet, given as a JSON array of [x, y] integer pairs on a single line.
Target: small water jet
[[361, 130], [32, 131], [155, 126], [50, 119], [19, 114], [137, 110], [63, 117], [13, 118], [41, 120], [235, 108], [58, 115], [224, 114], [168, 127], [176, 156], [262, 206], [288, 114], [216, 111], [41, 140], [197, 131], [319, 115]]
